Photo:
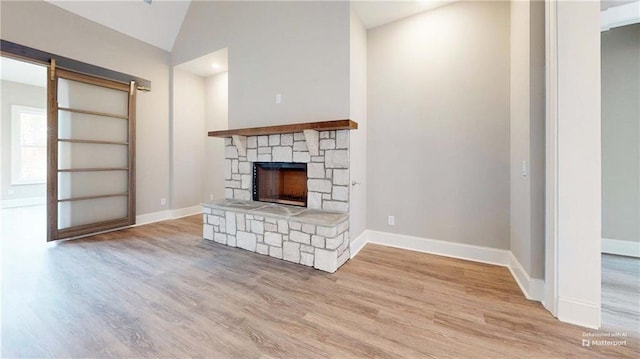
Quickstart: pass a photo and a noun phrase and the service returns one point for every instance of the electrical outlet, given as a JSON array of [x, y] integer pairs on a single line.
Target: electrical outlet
[[211, 197], [392, 220], [278, 98], [163, 201]]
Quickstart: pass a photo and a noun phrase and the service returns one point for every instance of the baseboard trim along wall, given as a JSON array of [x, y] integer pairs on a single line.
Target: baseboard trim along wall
[[358, 243], [187, 211], [533, 289], [579, 313], [168, 214], [620, 247]]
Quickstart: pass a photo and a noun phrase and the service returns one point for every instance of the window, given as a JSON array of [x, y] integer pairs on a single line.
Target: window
[[29, 145]]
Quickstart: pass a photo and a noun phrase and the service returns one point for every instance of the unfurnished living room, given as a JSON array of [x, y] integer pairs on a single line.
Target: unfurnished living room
[[320, 179]]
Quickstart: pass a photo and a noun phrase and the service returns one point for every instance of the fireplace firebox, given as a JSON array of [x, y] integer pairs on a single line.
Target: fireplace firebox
[[280, 182]]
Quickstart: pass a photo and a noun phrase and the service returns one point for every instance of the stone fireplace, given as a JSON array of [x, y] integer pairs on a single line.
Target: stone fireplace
[[327, 164], [286, 193]]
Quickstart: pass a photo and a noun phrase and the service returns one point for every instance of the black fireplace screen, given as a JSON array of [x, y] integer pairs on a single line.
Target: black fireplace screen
[[280, 182]]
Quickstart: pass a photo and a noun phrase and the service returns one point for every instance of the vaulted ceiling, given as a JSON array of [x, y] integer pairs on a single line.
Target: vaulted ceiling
[[159, 22]]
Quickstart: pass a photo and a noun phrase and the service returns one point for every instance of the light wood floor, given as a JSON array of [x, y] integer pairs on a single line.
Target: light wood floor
[[621, 294], [162, 291]]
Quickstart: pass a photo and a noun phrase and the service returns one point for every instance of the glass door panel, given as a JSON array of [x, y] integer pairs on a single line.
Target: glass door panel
[[92, 127], [86, 184], [86, 212], [82, 96], [78, 155]]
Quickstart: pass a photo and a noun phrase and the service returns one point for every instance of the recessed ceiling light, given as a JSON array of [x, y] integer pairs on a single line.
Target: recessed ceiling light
[[215, 66]]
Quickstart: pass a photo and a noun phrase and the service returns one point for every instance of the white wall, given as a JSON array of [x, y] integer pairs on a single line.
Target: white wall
[[621, 134], [49, 28], [358, 138], [527, 136], [216, 117], [438, 124], [187, 140], [578, 162], [297, 49]]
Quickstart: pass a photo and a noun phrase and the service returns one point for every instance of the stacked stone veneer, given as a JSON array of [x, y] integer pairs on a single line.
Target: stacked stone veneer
[[327, 173], [322, 247]]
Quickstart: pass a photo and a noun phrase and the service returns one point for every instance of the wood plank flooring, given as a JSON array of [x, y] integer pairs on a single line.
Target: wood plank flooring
[[160, 290], [621, 294]]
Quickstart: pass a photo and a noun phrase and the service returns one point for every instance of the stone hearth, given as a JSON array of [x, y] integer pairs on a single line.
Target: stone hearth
[[310, 237]]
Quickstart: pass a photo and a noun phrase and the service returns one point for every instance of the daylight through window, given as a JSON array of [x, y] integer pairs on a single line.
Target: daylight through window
[[29, 145]]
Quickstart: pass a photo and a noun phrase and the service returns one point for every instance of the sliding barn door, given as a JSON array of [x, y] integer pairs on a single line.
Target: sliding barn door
[[91, 144]]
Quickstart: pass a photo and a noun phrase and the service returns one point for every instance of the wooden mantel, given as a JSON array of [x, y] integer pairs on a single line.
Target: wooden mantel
[[298, 127]]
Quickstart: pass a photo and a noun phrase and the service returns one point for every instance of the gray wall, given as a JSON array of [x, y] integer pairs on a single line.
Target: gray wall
[[298, 49], [188, 137], [216, 118], [438, 124], [14, 93], [621, 133], [358, 138], [527, 135], [199, 105], [49, 28]]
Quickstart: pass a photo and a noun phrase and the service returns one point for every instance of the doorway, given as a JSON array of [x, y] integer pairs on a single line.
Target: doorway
[[23, 149], [65, 131], [620, 56]]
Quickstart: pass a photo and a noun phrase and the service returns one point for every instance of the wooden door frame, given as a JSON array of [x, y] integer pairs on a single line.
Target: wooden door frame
[[572, 277]]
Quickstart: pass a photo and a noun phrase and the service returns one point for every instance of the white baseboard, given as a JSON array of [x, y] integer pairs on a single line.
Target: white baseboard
[[187, 211], [23, 202], [448, 249], [358, 243], [152, 217], [532, 288], [620, 247], [168, 214], [579, 313]]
